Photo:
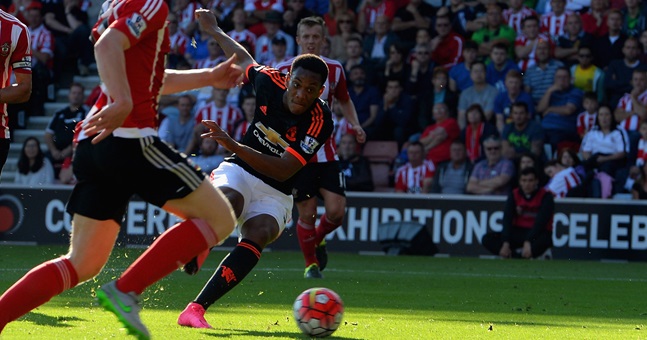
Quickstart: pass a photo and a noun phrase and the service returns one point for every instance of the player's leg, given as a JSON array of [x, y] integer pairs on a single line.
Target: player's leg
[[306, 190], [90, 246], [493, 242], [333, 192]]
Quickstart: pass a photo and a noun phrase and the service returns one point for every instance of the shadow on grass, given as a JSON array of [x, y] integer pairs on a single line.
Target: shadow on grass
[[233, 333], [48, 320]]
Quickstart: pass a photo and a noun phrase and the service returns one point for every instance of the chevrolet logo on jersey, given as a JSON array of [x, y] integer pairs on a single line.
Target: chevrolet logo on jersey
[[270, 139]]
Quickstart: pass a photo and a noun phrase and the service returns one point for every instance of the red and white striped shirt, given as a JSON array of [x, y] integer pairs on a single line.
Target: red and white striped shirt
[[410, 179], [553, 24], [244, 35], [263, 5], [187, 15], [179, 43], [335, 89], [15, 55], [241, 130], [226, 116], [342, 127], [514, 19], [42, 40], [641, 157], [143, 22], [585, 122], [632, 122], [531, 59], [563, 181]]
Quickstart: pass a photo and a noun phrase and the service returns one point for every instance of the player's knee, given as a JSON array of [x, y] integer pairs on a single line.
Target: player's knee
[[335, 216], [86, 267]]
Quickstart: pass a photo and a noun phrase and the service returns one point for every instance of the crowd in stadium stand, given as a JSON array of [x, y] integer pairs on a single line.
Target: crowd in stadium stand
[[482, 87]]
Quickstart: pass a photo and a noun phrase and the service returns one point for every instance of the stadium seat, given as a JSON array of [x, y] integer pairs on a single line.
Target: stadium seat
[[380, 151], [381, 173]]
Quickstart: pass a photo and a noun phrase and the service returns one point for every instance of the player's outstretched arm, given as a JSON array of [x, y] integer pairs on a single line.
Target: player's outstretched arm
[[209, 24], [223, 76], [277, 168]]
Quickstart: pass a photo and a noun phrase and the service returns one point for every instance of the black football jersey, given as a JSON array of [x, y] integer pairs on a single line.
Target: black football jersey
[[275, 130]]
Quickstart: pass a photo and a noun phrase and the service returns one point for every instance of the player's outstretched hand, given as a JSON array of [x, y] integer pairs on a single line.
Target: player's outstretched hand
[[207, 21], [227, 74], [219, 135], [107, 120]]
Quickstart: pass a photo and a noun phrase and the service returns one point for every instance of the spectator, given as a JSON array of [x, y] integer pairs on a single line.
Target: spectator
[[294, 12], [421, 70], [248, 107], [569, 158], [59, 133], [355, 167], [554, 23], [215, 56], [447, 46], [396, 119], [610, 45], [438, 92], [604, 150], [545, 6], [643, 44], [185, 10], [528, 160], [480, 93], [438, 137], [345, 30], [416, 175], [240, 31], [634, 20], [69, 24], [462, 17], [320, 7], [492, 175], [198, 49], [525, 44], [639, 187], [563, 181], [215, 109], [632, 107], [370, 10], [573, 38], [263, 48], [499, 66], [376, 44], [495, 32], [34, 169], [396, 67], [366, 98], [42, 65], [224, 12], [619, 73], [177, 130], [279, 50], [541, 76], [476, 131], [408, 19], [522, 134], [559, 107], [586, 119], [258, 12], [208, 158], [527, 221], [586, 76], [355, 56], [459, 74], [339, 11], [179, 42], [515, 15], [595, 21], [513, 94], [452, 176]]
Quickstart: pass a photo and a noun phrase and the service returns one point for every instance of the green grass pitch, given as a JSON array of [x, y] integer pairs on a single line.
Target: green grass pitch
[[385, 298]]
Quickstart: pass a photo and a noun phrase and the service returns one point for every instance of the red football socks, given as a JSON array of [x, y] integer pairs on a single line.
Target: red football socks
[[307, 236], [324, 228]]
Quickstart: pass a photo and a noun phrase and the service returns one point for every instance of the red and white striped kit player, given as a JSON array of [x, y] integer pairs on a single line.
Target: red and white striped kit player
[[632, 122], [563, 181], [553, 24], [585, 122], [335, 89], [514, 19], [15, 55], [531, 60], [226, 116], [410, 179]]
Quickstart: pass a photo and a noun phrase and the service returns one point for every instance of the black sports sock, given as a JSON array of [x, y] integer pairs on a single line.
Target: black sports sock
[[233, 269]]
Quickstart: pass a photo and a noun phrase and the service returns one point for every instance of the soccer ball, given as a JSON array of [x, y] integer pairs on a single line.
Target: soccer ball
[[318, 312]]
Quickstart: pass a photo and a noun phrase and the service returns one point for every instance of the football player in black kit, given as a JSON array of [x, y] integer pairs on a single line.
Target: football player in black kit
[[290, 124]]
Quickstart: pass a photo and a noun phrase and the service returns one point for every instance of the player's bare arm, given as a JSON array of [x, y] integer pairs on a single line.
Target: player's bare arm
[[277, 168], [223, 76], [349, 112], [19, 92], [209, 24], [111, 63]]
